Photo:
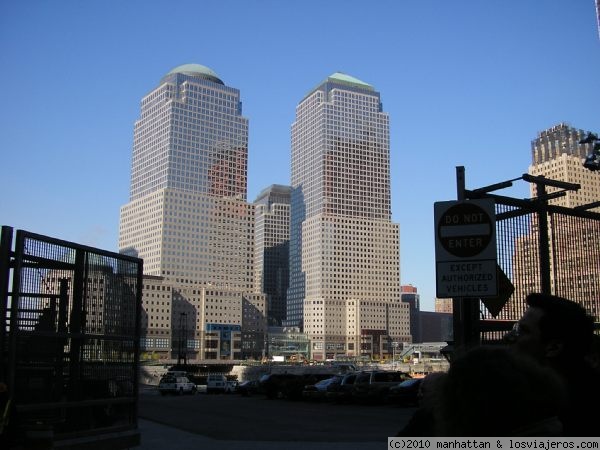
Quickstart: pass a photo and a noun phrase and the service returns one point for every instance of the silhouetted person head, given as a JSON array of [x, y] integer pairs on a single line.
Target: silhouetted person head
[[429, 388], [422, 422], [559, 333], [491, 391], [553, 330], [594, 355]]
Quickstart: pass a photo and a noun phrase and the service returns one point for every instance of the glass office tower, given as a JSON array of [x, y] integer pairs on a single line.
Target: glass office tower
[[344, 249], [190, 136], [187, 215], [188, 218], [271, 248]]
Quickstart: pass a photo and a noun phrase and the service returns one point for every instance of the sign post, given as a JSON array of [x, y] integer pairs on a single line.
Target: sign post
[[465, 251]]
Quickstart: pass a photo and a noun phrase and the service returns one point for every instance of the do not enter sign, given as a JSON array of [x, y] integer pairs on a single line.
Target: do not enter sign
[[465, 230], [465, 248]]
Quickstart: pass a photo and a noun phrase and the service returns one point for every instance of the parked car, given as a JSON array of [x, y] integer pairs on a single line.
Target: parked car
[[318, 391], [287, 385], [231, 386], [176, 385], [344, 367], [406, 393], [274, 385], [342, 392], [177, 373], [373, 386], [216, 382], [248, 387], [295, 386]]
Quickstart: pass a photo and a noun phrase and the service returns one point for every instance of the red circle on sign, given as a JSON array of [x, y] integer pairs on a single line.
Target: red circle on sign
[[465, 230]]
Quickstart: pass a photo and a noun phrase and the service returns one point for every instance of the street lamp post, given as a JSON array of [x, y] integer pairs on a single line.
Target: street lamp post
[[182, 339], [394, 347]]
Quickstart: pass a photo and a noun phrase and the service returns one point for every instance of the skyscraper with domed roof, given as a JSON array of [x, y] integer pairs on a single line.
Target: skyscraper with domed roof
[[344, 289], [187, 215], [191, 136]]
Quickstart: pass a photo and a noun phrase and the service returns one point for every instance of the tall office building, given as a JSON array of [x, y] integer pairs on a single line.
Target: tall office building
[[191, 136], [443, 305], [410, 296], [271, 248], [187, 209], [557, 155], [187, 215], [598, 16], [344, 249]]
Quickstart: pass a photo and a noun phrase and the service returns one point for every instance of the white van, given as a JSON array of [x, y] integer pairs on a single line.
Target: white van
[[216, 382], [176, 385]]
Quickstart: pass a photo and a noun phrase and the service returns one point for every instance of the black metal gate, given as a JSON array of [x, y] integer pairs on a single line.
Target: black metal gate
[[541, 247], [69, 341], [560, 257]]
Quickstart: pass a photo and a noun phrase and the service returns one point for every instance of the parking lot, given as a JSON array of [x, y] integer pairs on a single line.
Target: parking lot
[[255, 418]]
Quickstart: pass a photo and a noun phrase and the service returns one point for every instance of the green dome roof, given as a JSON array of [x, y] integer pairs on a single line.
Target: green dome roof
[[344, 79], [347, 79], [197, 70]]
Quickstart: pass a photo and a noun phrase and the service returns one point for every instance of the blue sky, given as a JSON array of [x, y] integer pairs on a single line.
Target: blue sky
[[465, 82]]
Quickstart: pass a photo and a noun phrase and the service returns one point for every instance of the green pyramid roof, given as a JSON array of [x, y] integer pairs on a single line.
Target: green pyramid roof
[[347, 79]]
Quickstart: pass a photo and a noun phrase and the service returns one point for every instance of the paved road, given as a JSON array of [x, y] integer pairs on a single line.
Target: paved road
[[236, 418], [161, 437]]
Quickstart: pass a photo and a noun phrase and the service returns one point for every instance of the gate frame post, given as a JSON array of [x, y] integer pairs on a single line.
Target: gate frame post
[[543, 240], [5, 255]]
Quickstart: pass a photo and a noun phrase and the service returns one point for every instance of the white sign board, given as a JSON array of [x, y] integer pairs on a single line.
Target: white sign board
[[465, 248]]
